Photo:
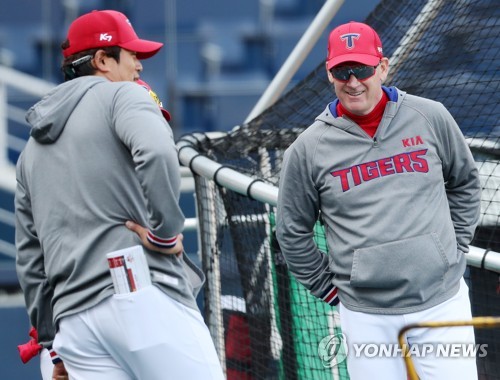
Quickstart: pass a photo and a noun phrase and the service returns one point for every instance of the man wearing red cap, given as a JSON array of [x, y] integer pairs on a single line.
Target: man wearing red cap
[[32, 348], [397, 189], [99, 177]]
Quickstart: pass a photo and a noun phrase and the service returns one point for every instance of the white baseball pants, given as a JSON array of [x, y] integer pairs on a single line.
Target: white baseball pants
[[140, 335], [378, 330], [46, 366]]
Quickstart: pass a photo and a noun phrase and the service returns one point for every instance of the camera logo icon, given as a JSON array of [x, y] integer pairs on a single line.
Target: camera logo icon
[[332, 350]]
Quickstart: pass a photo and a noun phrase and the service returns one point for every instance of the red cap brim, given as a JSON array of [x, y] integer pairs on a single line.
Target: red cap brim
[[143, 48], [364, 59]]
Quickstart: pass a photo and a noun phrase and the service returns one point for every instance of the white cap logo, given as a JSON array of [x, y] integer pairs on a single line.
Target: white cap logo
[[105, 37]]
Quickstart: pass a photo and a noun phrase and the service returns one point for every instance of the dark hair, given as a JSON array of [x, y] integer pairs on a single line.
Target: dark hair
[[80, 64]]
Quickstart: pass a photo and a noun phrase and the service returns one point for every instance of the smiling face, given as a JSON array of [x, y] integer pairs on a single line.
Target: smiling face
[[360, 96]]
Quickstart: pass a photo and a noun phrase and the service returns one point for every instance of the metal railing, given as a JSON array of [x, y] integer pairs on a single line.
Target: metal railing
[[267, 193], [31, 86]]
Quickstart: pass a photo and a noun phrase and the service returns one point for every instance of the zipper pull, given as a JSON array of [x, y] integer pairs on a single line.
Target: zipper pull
[[375, 142]]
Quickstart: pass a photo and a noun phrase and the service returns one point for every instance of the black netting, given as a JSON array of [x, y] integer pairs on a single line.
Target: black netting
[[445, 50]]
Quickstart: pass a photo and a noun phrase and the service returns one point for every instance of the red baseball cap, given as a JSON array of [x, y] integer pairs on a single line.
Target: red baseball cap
[[99, 29], [165, 113], [354, 42]]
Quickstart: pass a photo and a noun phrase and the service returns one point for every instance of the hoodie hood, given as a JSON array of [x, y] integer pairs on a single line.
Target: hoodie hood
[[48, 117], [391, 92], [330, 116]]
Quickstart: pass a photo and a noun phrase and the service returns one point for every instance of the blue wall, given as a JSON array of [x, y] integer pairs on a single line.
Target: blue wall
[[14, 328]]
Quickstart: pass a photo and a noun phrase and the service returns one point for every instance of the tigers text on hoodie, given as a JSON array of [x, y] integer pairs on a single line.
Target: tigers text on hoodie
[[399, 209]]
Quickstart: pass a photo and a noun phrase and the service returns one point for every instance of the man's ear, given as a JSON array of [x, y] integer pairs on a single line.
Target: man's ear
[[384, 65], [330, 76], [101, 61]]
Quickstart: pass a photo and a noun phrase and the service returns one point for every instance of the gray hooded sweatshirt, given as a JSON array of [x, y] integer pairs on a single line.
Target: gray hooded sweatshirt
[[399, 209], [100, 153]]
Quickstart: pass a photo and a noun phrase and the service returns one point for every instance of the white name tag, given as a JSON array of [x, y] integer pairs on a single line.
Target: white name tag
[[165, 278]]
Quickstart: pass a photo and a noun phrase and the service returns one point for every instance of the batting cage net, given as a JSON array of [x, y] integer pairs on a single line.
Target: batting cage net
[[265, 324]]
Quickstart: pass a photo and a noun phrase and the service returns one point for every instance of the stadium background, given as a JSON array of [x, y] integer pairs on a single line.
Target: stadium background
[[219, 57]]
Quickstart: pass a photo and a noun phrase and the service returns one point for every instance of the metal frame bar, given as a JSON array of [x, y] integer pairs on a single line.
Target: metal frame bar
[[296, 57], [266, 193]]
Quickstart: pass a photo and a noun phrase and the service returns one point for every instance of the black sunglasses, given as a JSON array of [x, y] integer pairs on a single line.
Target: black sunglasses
[[361, 72]]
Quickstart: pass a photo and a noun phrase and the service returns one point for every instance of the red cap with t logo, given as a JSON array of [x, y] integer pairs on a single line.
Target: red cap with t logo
[[354, 42]]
